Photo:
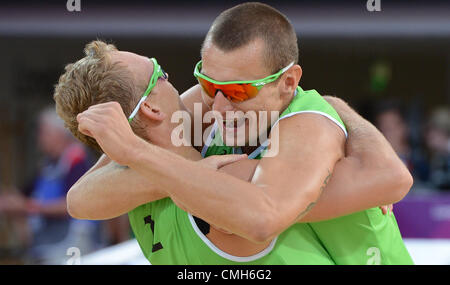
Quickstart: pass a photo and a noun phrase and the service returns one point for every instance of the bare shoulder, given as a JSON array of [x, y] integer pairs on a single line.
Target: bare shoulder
[[312, 124], [308, 133]]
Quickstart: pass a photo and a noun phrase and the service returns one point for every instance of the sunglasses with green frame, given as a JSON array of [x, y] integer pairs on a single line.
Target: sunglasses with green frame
[[236, 91], [158, 72]]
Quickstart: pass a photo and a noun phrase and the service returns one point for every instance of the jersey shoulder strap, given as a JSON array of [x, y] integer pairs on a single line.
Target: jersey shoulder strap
[[311, 101]]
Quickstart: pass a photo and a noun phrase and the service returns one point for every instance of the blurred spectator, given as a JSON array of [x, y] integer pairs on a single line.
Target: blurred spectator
[[389, 119], [52, 230], [118, 229], [437, 139]]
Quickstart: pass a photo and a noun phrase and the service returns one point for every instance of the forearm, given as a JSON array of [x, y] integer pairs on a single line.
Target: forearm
[[225, 201], [380, 166], [256, 211], [110, 191], [351, 189], [365, 142], [371, 173], [102, 161]]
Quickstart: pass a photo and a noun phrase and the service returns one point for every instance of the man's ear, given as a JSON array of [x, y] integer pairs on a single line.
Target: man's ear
[[152, 111], [290, 80]]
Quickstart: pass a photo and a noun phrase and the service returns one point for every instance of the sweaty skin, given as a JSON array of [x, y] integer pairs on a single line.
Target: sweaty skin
[[228, 242], [259, 211], [234, 244], [255, 217]]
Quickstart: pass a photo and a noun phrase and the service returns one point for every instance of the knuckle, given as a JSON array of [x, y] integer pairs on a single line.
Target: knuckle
[[115, 105]]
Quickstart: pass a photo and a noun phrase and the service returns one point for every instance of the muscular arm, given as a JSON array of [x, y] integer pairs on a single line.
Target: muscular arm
[[283, 188], [381, 177], [109, 190], [370, 175]]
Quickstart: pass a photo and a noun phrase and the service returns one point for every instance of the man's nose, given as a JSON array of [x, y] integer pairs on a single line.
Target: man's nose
[[222, 104]]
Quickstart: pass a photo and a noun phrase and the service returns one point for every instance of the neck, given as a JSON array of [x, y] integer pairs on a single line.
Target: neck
[[285, 105], [187, 152], [183, 150]]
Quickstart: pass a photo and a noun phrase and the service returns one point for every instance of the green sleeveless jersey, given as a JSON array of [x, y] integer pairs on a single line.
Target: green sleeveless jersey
[[366, 237], [169, 235]]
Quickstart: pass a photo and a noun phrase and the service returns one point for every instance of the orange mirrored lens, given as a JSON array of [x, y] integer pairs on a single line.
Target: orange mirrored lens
[[234, 92], [208, 87], [250, 90]]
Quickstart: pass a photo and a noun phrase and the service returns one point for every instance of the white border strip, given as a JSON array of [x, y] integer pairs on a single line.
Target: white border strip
[[315, 112], [225, 255], [209, 140], [257, 151]]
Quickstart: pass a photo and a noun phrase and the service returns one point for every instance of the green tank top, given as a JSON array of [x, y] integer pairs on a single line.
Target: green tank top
[[169, 235]]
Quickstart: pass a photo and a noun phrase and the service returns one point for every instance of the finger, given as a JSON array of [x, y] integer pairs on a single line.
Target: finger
[[98, 116], [112, 107], [106, 110], [86, 126], [95, 111], [384, 210], [114, 110], [223, 160], [103, 105]]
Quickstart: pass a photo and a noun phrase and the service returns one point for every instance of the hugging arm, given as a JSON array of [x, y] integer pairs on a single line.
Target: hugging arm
[[370, 174], [109, 190], [257, 211]]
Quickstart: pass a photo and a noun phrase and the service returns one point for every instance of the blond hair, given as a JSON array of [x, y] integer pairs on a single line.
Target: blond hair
[[92, 80]]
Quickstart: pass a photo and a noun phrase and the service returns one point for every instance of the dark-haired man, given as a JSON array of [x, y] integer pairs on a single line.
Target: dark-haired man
[[249, 64]]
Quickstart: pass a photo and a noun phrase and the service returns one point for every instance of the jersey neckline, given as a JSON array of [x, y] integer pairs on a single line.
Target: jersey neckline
[[228, 256]]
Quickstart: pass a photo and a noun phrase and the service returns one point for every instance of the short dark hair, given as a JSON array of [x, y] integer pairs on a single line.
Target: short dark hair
[[241, 24]]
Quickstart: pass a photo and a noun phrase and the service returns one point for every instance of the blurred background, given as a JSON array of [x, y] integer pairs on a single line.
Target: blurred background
[[392, 65]]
